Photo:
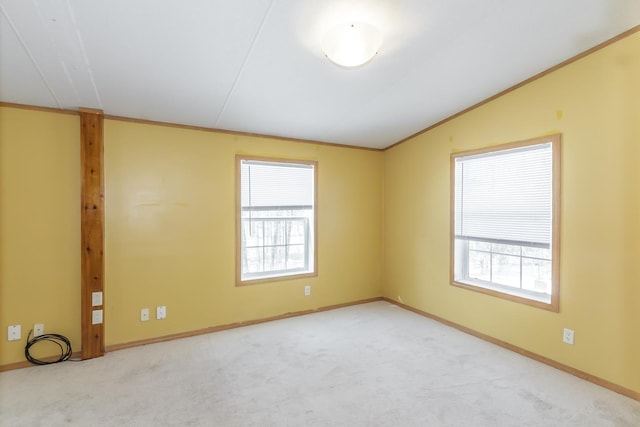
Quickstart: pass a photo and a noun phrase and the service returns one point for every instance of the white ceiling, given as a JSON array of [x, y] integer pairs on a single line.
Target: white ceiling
[[256, 65]]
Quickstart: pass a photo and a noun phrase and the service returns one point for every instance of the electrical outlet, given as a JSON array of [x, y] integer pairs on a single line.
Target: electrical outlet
[[13, 333], [307, 291], [38, 329], [144, 314], [96, 317], [567, 336], [161, 312]]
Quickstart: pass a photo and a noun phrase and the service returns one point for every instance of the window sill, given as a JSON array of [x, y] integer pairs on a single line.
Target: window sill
[[275, 278], [546, 302]]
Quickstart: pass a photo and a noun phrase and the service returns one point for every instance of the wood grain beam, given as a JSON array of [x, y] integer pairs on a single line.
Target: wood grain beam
[[92, 231]]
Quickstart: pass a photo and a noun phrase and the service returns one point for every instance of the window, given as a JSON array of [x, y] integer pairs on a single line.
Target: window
[[505, 221], [276, 229]]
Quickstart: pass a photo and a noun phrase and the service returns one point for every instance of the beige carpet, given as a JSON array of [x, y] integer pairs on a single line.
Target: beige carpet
[[369, 365]]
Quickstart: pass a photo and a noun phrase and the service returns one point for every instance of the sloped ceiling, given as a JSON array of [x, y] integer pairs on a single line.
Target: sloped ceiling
[[256, 66]]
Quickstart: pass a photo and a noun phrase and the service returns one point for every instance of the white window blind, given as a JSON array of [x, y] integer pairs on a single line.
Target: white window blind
[[276, 185], [277, 219], [505, 196]]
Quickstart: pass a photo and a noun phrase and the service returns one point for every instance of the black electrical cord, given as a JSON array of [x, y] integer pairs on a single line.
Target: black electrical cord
[[59, 340]]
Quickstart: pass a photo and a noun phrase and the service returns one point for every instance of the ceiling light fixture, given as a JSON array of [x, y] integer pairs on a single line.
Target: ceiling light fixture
[[352, 44]]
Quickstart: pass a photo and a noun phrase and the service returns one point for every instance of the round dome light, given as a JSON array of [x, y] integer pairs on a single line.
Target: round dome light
[[352, 44]]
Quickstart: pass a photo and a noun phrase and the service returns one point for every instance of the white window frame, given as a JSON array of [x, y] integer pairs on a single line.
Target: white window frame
[[459, 253], [308, 221]]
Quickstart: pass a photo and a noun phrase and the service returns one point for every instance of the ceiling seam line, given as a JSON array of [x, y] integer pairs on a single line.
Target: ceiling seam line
[[84, 54], [30, 55], [57, 51], [244, 63]]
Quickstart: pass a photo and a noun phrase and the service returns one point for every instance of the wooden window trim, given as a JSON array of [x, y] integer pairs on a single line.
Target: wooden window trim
[[554, 304], [238, 221]]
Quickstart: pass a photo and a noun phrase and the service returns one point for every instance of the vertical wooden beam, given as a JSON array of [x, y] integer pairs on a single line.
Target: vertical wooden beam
[[92, 231]]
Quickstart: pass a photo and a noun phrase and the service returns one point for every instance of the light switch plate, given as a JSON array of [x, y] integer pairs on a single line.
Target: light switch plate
[[96, 299]]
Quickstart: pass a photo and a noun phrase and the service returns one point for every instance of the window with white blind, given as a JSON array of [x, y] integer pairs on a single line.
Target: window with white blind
[[505, 221], [276, 219]]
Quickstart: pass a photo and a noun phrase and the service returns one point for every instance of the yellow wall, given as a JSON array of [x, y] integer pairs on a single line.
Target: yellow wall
[[39, 226], [594, 103], [170, 230]]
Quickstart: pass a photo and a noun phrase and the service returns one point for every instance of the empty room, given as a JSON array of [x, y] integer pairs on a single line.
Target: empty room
[[319, 213]]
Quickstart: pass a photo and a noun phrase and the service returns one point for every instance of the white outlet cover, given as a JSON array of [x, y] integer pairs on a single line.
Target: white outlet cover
[[567, 336], [161, 312], [144, 314], [38, 329], [13, 333], [96, 317]]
